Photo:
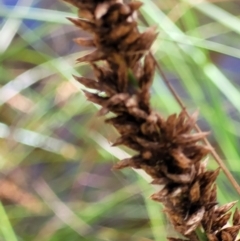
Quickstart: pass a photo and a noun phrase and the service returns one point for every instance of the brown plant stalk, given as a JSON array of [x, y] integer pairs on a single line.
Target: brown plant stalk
[[168, 149]]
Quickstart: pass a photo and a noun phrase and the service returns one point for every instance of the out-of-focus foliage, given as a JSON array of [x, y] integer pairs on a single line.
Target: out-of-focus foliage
[[56, 181]]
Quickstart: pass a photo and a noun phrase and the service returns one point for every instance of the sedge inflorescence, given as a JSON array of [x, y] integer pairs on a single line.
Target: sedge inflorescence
[[167, 148]]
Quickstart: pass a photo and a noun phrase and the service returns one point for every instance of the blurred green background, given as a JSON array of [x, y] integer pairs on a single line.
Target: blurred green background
[[56, 181]]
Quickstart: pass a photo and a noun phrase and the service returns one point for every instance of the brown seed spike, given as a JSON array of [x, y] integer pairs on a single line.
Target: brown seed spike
[[167, 149]]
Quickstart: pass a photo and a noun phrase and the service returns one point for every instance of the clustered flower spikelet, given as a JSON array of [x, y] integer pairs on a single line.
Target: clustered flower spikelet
[[167, 149]]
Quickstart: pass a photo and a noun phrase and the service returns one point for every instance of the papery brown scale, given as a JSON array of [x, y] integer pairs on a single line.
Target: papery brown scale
[[208, 220], [196, 217], [181, 119], [95, 98], [90, 83], [210, 206], [212, 237], [148, 72], [169, 129], [117, 99], [191, 138], [160, 181], [128, 162], [103, 111], [147, 154], [206, 191], [85, 13], [124, 129], [101, 9], [187, 124], [135, 5], [146, 143], [161, 194], [150, 130], [120, 66], [225, 235], [151, 171], [94, 56], [177, 192], [236, 217], [145, 81], [181, 160], [128, 39], [125, 10], [99, 71], [87, 42], [137, 70], [127, 141], [213, 196], [122, 78], [113, 14], [219, 222], [194, 193], [195, 152], [83, 24], [201, 167], [105, 77], [183, 178], [120, 31], [209, 177], [123, 119], [144, 41], [224, 208], [122, 140], [233, 231], [138, 113]]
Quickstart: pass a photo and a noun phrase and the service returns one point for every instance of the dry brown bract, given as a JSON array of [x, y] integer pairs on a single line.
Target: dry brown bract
[[168, 149]]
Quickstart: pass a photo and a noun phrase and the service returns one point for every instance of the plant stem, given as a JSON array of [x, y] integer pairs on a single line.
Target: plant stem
[[200, 235]]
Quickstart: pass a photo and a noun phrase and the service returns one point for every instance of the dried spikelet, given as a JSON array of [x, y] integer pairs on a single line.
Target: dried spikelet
[[167, 149]]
